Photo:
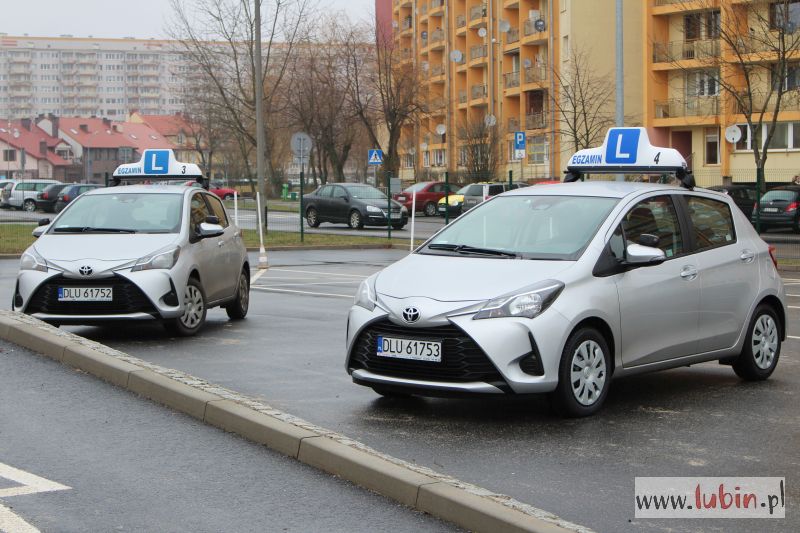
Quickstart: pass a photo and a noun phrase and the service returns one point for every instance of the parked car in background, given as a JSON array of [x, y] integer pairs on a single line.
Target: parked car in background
[[453, 203], [46, 200], [780, 207], [354, 204], [428, 195], [218, 188], [743, 195], [70, 192], [21, 194], [480, 192]]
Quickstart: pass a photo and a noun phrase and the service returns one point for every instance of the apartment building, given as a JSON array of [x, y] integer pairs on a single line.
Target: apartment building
[[687, 106], [68, 76], [494, 62]]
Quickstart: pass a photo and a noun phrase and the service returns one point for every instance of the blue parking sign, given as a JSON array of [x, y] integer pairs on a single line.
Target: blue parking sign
[[156, 162], [519, 140], [622, 146]]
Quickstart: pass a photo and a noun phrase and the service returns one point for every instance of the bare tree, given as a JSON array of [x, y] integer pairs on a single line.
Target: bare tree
[[584, 108], [481, 144], [385, 90], [747, 51], [218, 39], [205, 130]]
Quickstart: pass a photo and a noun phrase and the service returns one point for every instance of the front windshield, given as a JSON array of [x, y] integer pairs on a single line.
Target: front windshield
[[365, 192], [463, 190], [529, 227], [129, 213]]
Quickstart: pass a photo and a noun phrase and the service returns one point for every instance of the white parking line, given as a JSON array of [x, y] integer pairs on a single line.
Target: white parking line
[[27, 483], [254, 277], [11, 523], [792, 337], [318, 273], [329, 294], [793, 306]]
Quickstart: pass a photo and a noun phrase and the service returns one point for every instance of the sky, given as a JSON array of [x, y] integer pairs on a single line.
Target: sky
[[116, 18]]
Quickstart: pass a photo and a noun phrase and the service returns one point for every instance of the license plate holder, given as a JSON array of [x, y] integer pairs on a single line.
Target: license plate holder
[[85, 294], [770, 209], [410, 349]]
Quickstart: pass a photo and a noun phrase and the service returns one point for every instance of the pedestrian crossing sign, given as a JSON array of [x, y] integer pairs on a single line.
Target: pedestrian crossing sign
[[375, 157]]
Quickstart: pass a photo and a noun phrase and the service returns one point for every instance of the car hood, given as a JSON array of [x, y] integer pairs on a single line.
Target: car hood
[[462, 279], [101, 246], [453, 199], [381, 204]]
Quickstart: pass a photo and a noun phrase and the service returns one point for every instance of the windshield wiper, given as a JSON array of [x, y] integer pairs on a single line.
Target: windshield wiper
[[89, 229], [466, 249]]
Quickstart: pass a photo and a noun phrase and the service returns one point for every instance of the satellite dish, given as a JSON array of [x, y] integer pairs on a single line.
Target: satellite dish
[[526, 63], [423, 146], [504, 26], [440, 129], [425, 66], [395, 25], [482, 32], [490, 121], [16, 133], [733, 134], [456, 56], [540, 25]]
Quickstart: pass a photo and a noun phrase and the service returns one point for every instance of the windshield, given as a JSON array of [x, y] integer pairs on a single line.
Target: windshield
[[779, 195], [129, 213], [365, 192], [415, 188], [529, 227]]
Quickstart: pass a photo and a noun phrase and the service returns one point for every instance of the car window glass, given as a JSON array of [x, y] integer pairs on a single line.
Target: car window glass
[[655, 216], [474, 190], [25, 187], [325, 192], [712, 222], [219, 211], [41, 186], [495, 189], [617, 244], [339, 192], [751, 195], [779, 195], [199, 211], [417, 187]]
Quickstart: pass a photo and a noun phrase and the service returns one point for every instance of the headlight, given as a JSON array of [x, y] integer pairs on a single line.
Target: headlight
[[365, 297], [455, 202], [31, 260], [159, 260], [404, 210], [373, 209], [527, 303]]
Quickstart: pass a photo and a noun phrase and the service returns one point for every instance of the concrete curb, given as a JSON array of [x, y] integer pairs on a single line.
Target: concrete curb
[[465, 505]]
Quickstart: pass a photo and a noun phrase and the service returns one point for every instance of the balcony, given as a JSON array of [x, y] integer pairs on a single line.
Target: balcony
[[478, 52], [699, 106], [462, 96], [20, 59], [437, 70], [513, 125], [478, 92], [680, 50], [405, 54], [536, 74], [436, 6], [407, 23], [477, 12], [437, 38], [511, 80], [512, 36], [535, 121], [529, 28], [461, 21]]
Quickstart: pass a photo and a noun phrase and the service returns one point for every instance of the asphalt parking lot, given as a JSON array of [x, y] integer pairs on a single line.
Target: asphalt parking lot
[[698, 421]]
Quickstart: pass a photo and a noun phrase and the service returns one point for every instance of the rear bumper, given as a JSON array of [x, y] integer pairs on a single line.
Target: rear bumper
[[775, 219]]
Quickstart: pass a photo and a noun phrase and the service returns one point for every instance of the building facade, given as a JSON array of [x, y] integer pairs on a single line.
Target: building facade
[[501, 62], [68, 76]]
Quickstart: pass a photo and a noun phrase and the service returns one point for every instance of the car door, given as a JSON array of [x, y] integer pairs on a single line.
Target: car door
[[473, 196], [340, 204], [205, 250], [227, 248], [21, 191], [727, 268], [323, 203], [658, 304]]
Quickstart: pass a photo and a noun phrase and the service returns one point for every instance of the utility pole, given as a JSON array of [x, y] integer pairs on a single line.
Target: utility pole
[[259, 96], [620, 104]]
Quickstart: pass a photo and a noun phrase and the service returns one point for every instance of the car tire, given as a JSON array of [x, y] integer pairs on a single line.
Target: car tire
[[584, 375], [355, 220], [194, 315], [398, 226], [312, 217], [388, 393], [228, 197], [762, 346], [237, 309], [430, 209], [29, 206]]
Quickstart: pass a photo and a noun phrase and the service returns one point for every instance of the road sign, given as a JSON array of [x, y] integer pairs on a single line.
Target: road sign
[[519, 145], [301, 144], [375, 157]]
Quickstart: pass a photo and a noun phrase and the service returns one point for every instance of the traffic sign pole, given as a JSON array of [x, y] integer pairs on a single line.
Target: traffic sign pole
[[389, 202]]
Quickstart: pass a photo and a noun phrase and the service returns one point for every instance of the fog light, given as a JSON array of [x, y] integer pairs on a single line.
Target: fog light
[[531, 363], [171, 298]]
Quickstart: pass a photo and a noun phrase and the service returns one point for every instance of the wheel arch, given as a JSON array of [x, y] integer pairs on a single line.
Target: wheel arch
[[776, 305], [602, 326]]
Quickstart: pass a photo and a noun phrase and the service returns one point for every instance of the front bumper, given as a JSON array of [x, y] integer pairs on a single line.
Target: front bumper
[[493, 356], [379, 219]]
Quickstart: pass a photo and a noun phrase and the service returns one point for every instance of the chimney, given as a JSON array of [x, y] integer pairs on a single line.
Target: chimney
[[118, 127], [54, 121], [26, 123], [107, 123], [43, 147], [84, 128]]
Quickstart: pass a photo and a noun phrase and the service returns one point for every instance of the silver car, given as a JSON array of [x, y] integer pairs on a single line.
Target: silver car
[[587, 281], [136, 253]]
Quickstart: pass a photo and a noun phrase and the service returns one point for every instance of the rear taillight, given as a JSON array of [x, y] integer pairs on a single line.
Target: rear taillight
[[755, 206], [772, 250], [45, 196], [792, 207], [486, 197], [66, 198]]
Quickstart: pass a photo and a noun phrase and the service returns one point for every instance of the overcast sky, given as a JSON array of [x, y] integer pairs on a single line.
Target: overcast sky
[[114, 18]]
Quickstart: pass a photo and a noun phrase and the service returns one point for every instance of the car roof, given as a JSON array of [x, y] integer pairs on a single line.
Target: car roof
[[140, 189], [607, 189]]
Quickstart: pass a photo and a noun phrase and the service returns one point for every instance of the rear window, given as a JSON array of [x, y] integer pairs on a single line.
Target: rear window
[[779, 195], [474, 190], [495, 189]]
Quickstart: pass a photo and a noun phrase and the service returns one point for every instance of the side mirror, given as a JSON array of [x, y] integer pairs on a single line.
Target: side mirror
[[40, 230], [44, 222], [207, 230], [211, 219], [651, 241], [636, 254]]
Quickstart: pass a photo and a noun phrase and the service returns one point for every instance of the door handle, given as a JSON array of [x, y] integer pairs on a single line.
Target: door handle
[[689, 273], [220, 244], [747, 256]]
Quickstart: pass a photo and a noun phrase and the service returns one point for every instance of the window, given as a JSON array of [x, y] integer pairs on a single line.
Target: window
[[538, 150], [655, 216], [702, 83], [339, 192], [781, 12], [326, 191], [691, 27], [712, 222], [780, 138], [790, 81], [9, 155], [218, 209], [439, 156], [199, 211], [712, 146], [426, 159]]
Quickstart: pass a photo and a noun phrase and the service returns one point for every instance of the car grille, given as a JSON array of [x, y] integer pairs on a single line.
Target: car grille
[[462, 359], [127, 298]]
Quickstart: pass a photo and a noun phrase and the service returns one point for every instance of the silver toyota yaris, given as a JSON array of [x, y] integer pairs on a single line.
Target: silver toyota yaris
[[140, 252], [560, 288]]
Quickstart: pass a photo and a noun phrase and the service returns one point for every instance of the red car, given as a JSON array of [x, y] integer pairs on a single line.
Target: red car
[[428, 195], [217, 188]]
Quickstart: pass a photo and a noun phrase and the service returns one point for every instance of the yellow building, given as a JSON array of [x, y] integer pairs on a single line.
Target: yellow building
[[692, 46], [497, 59]]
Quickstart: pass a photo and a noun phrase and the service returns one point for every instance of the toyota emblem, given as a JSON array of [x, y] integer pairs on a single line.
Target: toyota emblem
[[411, 314], [85, 270]]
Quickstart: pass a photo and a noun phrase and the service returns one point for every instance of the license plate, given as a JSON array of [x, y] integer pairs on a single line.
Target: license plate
[[397, 215], [409, 349], [401, 198], [770, 209], [85, 294]]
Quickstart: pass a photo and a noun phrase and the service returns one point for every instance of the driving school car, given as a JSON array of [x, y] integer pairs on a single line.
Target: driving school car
[[137, 252], [559, 288]]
